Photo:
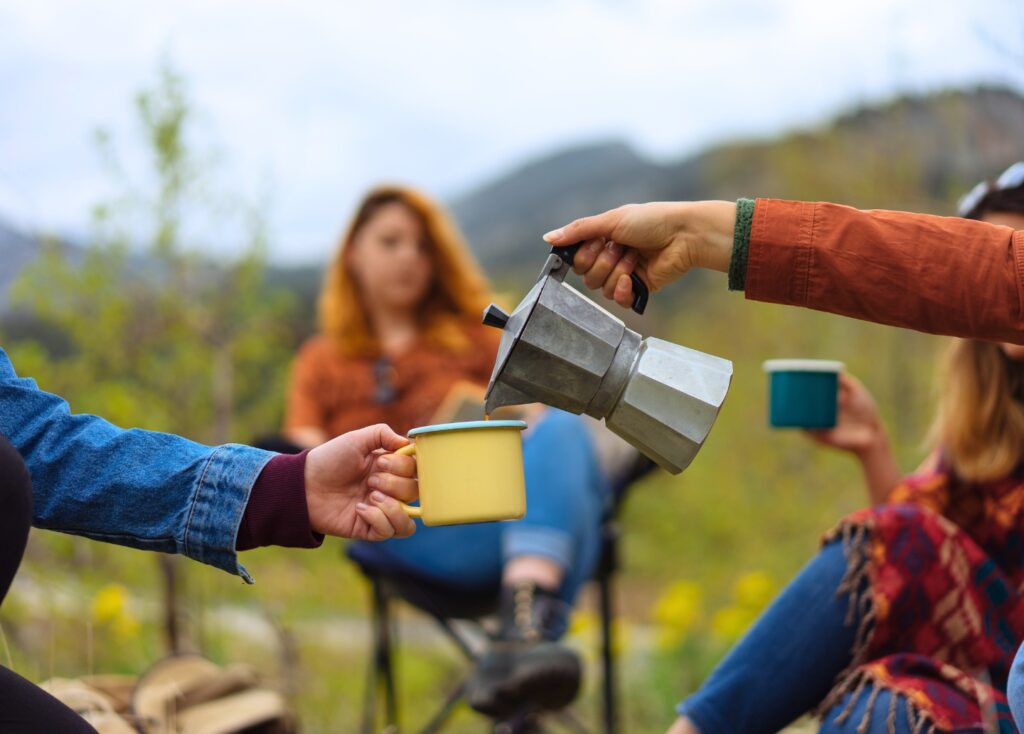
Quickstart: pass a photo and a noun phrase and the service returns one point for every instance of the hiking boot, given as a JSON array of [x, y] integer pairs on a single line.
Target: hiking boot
[[524, 665]]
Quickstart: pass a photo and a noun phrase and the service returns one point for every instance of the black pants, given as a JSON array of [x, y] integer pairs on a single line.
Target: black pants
[[24, 708]]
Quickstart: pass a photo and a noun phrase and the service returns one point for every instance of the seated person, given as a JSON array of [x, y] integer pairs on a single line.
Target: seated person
[[908, 618], [400, 339]]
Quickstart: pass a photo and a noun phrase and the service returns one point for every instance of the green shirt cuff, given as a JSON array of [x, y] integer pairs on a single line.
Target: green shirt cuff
[[741, 244]]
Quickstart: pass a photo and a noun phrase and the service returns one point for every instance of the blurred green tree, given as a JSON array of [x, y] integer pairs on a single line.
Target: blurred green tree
[[151, 332]]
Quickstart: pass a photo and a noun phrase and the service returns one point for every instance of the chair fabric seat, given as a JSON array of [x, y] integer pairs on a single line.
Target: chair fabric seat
[[440, 599]]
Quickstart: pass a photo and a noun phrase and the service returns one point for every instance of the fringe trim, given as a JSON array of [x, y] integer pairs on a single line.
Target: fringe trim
[[858, 583], [919, 721]]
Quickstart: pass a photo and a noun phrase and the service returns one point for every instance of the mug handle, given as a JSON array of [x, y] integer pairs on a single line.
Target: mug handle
[[409, 450]]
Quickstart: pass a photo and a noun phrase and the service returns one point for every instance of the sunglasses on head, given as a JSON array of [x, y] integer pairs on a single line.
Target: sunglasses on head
[[383, 375], [1011, 178]]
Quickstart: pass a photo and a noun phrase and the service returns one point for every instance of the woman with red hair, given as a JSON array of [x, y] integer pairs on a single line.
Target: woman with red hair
[[400, 333]]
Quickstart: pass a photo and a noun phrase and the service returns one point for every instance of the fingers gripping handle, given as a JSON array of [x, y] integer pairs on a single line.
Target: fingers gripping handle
[[640, 291], [409, 450]]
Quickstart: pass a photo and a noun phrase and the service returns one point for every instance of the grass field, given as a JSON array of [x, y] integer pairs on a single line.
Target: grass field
[[704, 552]]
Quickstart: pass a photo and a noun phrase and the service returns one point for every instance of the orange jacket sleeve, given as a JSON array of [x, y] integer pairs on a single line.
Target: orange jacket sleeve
[[941, 275]]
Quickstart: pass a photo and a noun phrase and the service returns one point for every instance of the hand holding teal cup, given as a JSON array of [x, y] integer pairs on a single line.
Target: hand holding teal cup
[[803, 393]]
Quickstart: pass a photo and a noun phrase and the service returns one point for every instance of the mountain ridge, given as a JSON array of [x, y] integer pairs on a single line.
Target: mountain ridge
[[917, 152], [914, 152]]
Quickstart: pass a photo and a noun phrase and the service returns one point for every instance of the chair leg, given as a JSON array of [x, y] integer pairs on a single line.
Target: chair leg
[[447, 708], [456, 638], [369, 718], [381, 674], [609, 702], [385, 658]]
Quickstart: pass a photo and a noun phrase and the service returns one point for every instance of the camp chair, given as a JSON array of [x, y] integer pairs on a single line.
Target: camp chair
[[460, 611]]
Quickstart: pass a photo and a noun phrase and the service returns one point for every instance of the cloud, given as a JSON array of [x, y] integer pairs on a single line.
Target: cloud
[[323, 99]]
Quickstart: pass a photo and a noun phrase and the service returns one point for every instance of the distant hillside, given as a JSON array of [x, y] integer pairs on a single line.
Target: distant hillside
[[512, 211], [16, 251], [918, 153]]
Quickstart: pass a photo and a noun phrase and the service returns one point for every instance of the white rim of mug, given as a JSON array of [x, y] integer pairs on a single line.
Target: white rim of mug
[[466, 426], [803, 365]]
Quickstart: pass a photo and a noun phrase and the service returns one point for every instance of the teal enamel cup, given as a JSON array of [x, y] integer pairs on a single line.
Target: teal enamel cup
[[802, 393]]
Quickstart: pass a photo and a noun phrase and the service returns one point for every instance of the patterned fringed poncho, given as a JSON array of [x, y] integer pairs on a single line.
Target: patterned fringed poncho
[[936, 577]]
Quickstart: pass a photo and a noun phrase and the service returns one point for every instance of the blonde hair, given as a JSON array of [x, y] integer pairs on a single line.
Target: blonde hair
[[459, 291], [980, 421]]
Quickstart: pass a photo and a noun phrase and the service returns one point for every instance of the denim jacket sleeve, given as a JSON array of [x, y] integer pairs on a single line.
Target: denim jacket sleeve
[[137, 488]]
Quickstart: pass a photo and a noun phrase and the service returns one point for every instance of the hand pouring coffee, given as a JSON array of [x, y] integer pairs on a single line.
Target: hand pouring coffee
[[562, 349]]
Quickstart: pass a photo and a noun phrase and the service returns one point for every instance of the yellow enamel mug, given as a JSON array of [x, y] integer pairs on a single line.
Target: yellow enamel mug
[[468, 472]]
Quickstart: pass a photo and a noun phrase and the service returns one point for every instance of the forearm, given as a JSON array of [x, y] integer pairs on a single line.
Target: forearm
[[881, 473], [709, 229], [131, 487]]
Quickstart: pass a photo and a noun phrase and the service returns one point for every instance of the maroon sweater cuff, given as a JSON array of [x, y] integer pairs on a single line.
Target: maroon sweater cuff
[[277, 513]]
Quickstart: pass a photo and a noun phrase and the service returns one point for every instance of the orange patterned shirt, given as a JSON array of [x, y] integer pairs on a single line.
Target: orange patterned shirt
[[338, 393]]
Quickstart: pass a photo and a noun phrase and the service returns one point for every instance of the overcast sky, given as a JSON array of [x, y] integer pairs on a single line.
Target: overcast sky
[[311, 102]]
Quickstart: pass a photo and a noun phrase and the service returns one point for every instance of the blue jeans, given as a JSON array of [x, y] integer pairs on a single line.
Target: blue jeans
[[788, 661], [565, 494]]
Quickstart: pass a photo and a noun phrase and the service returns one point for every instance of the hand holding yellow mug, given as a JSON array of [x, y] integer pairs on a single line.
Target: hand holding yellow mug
[[468, 472]]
